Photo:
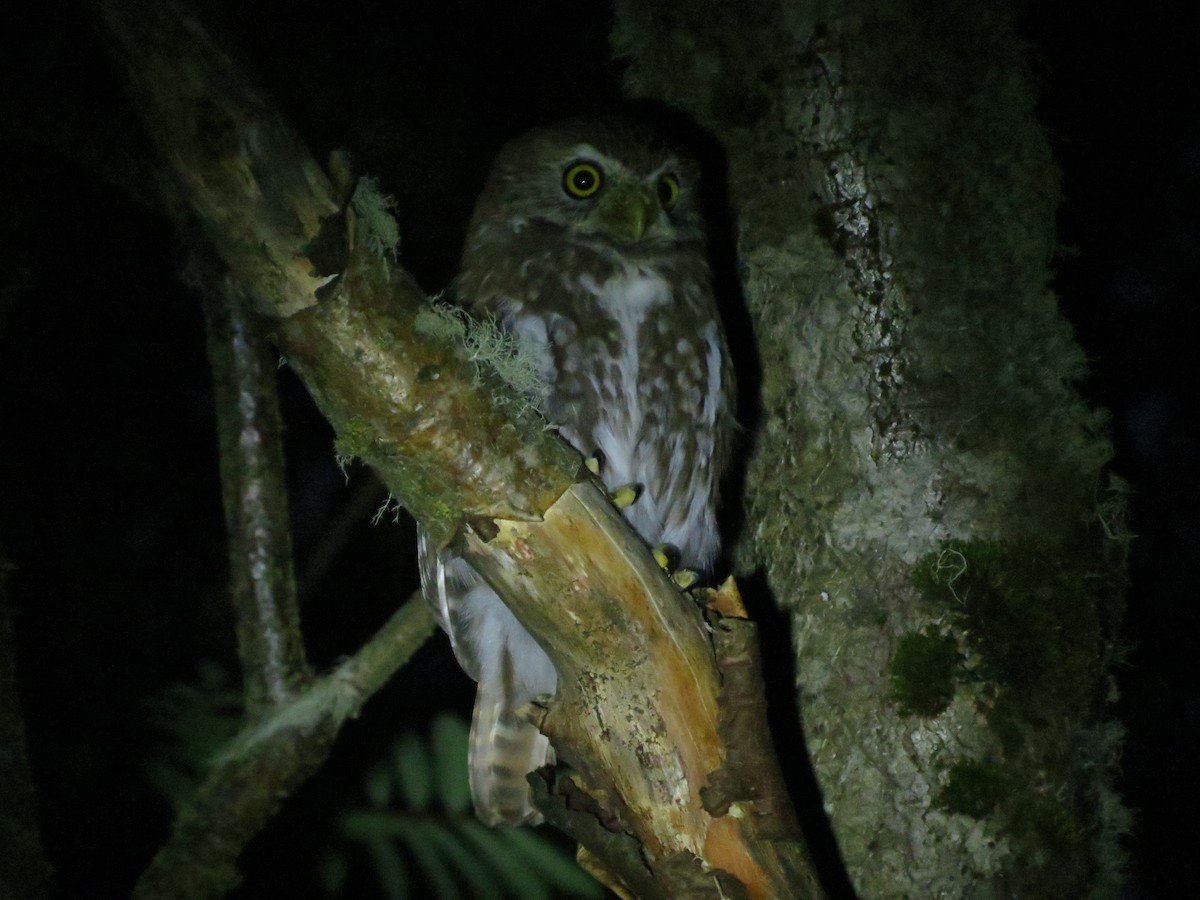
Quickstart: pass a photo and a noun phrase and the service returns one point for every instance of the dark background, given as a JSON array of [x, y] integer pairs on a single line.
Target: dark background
[[109, 500]]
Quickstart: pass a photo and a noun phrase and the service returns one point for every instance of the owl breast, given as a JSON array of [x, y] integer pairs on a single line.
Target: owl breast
[[641, 383]]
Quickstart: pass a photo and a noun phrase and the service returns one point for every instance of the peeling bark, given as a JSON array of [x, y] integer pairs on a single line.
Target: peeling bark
[[638, 716], [651, 738]]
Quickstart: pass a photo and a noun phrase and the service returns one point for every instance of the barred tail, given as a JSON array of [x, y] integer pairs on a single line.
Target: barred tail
[[504, 749]]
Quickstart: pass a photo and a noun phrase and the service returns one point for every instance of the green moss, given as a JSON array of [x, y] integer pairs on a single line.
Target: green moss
[[1035, 631], [974, 788], [923, 671], [355, 439], [1031, 618], [376, 219], [491, 349], [440, 320], [1006, 718], [1054, 826]]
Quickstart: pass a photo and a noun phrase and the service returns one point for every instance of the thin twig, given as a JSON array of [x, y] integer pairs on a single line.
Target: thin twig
[[262, 582], [269, 760]]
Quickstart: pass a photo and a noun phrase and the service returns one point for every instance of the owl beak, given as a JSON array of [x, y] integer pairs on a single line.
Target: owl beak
[[628, 212]]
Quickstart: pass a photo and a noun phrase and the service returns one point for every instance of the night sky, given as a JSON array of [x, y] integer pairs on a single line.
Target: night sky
[[109, 499]]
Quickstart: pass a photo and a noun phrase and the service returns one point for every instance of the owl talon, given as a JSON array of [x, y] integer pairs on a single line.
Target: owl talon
[[667, 557], [595, 462], [625, 495], [685, 578]]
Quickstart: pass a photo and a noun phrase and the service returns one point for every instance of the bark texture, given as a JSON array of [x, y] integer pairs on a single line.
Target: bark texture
[[642, 711], [250, 437], [927, 492], [659, 714]]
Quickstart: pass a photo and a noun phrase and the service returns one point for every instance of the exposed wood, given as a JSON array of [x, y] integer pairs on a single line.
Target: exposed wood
[[639, 717]]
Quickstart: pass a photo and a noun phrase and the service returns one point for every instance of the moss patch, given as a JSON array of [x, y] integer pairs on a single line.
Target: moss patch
[[923, 671], [1030, 617], [1034, 629], [355, 439], [974, 789]]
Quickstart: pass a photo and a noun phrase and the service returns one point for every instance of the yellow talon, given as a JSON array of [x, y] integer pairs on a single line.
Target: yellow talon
[[593, 463], [667, 557], [685, 578], [625, 495]]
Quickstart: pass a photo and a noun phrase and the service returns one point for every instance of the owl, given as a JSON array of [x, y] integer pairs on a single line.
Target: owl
[[588, 246]]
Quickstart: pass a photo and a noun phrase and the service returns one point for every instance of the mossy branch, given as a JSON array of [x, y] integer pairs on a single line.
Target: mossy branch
[[262, 579], [399, 399], [269, 760], [473, 464]]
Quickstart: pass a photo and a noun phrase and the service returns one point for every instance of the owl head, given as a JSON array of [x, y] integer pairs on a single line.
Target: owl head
[[607, 181]]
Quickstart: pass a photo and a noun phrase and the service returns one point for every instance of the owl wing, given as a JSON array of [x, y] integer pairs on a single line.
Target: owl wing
[[511, 669]]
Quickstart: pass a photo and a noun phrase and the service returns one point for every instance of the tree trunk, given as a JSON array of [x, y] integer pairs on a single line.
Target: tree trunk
[[927, 495]]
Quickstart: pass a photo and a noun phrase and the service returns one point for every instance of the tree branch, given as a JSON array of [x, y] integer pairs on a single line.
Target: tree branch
[[400, 397], [649, 715], [262, 580], [269, 760], [639, 714]]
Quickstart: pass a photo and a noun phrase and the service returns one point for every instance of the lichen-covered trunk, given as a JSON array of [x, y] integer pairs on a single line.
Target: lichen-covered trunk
[[926, 492]]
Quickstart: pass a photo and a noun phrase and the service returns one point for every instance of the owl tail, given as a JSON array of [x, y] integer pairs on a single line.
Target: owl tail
[[505, 748]]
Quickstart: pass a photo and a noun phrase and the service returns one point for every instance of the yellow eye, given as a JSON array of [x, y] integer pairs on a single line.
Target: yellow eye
[[668, 191], [582, 180]]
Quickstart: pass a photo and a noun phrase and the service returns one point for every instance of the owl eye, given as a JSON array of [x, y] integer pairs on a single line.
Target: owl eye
[[668, 191], [582, 180]]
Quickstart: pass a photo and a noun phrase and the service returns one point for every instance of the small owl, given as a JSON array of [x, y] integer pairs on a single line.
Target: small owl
[[587, 244]]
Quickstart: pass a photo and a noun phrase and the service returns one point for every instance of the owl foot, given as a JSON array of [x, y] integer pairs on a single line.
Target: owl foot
[[625, 495], [595, 462], [685, 578], [621, 497], [667, 557]]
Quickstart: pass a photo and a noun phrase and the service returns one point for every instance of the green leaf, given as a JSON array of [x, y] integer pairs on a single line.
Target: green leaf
[[389, 869], [523, 881], [454, 854], [549, 859], [474, 871], [367, 825], [437, 871], [377, 785], [332, 871], [449, 736], [413, 771], [197, 720]]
